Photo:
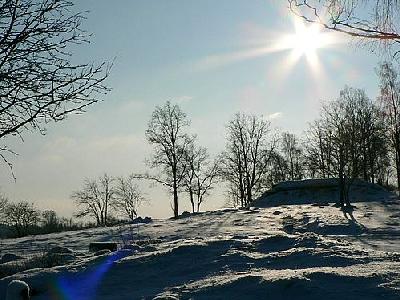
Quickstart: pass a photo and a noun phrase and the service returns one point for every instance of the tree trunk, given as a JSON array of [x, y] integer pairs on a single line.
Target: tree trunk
[[242, 198], [105, 214], [18, 230], [341, 192], [347, 184], [398, 168], [291, 169], [249, 197], [396, 145], [198, 205], [341, 187], [175, 188], [176, 208], [191, 199]]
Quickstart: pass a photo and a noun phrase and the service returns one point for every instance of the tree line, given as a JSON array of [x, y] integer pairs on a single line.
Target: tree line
[[103, 200], [353, 137], [18, 219], [99, 198]]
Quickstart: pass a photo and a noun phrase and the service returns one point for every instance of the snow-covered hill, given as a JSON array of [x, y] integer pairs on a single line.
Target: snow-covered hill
[[320, 191], [307, 251]]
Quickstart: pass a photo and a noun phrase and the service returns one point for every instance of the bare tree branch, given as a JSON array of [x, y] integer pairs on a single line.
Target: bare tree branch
[[369, 20], [39, 83]]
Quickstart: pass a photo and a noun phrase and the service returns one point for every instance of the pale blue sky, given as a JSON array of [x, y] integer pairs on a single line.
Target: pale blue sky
[[180, 51]]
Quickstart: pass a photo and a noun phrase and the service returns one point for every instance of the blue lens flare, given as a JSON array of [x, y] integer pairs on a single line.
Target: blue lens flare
[[83, 286]]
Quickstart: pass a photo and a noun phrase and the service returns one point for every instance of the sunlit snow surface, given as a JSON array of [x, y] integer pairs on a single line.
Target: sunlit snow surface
[[287, 252]]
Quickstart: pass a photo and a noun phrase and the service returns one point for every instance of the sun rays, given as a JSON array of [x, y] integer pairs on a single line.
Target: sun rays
[[305, 42]]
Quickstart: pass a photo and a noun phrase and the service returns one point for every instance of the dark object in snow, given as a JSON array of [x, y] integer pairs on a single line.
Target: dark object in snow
[[97, 246], [8, 257], [144, 220], [57, 259], [185, 214], [320, 204], [59, 250], [17, 290], [276, 212]]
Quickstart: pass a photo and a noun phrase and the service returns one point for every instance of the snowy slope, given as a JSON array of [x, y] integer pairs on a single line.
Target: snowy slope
[[287, 252]]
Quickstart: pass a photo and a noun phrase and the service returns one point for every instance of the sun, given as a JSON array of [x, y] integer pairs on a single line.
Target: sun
[[305, 41]]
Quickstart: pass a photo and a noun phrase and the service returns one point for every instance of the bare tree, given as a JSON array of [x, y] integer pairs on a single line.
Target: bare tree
[[373, 20], [22, 216], [50, 220], [339, 117], [200, 175], [348, 141], [374, 142], [232, 172], [278, 168], [318, 150], [246, 160], [128, 196], [95, 199], [166, 132], [38, 81], [389, 99], [292, 153], [3, 206]]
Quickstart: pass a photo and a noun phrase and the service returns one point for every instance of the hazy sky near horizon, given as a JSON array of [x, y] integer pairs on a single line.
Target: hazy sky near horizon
[[203, 55]]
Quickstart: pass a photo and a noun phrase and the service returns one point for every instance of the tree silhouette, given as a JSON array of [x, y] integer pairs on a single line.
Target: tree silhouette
[[200, 176], [21, 216], [166, 132], [38, 81], [292, 154], [96, 198], [3, 206], [247, 158], [128, 196], [389, 99], [348, 141]]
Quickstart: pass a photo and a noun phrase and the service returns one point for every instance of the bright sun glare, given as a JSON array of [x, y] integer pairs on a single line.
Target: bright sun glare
[[306, 40]]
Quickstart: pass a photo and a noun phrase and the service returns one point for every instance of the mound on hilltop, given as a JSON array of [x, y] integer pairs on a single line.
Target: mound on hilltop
[[321, 192]]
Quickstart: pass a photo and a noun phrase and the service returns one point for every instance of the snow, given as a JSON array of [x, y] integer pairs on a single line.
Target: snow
[[294, 251]]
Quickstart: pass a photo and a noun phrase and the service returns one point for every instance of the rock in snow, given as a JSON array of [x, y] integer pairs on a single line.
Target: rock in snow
[[17, 290], [8, 257]]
